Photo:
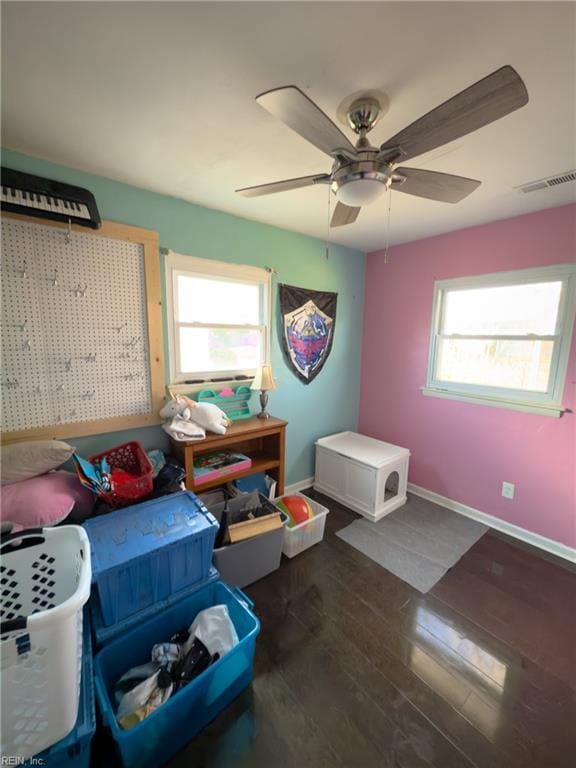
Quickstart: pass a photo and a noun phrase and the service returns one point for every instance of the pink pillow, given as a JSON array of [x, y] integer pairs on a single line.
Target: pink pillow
[[44, 500]]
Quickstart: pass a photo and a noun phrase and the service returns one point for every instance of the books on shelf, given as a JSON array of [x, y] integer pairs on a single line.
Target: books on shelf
[[212, 466], [259, 481]]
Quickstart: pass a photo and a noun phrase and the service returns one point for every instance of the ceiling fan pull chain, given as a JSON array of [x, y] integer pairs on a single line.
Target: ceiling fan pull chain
[[386, 259], [327, 252]]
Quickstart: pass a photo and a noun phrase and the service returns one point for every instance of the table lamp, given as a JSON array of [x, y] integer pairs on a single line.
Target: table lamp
[[264, 381]]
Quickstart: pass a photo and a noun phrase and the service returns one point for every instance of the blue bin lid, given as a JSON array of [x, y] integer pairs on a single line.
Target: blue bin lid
[[130, 533], [104, 634]]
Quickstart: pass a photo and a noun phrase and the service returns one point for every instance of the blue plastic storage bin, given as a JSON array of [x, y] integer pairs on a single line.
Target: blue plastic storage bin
[[104, 634], [158, 737], [73, 751], [147, 552]]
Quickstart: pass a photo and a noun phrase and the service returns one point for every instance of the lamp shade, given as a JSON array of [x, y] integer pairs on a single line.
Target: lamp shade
[[264, 380]]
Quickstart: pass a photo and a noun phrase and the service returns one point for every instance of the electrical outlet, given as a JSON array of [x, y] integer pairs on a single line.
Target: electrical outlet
[[508, 490]]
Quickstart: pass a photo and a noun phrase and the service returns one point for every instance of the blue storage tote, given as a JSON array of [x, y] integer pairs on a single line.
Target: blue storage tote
[[104, 634], [147, 552], [73, 751], [152, 742]]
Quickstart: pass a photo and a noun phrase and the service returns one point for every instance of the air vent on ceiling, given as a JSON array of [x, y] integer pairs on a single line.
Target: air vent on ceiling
[[551, 181]]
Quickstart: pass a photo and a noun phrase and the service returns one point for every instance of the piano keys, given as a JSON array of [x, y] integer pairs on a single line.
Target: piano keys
[[35, 196]]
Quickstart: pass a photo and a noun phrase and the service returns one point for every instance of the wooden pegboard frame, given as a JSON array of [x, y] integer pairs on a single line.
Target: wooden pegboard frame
[[151, 376]]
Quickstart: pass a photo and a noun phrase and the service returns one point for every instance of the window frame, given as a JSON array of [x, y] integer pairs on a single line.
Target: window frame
[[549, 402], [191, 266]]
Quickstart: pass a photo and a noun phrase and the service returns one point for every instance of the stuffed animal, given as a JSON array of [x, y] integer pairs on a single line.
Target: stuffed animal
[[210, 417], [205, 415], [178, 406]]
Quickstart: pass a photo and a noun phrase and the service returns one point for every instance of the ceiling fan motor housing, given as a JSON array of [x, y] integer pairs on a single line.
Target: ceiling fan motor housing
[[364, 113]]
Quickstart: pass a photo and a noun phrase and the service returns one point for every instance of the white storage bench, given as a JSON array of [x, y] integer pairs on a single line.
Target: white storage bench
[[365, 474]]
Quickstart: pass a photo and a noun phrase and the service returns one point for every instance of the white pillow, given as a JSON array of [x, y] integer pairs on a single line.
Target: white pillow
[[20, 461]]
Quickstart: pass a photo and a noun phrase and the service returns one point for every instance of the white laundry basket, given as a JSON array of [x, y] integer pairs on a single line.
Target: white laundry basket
[[45, 577]]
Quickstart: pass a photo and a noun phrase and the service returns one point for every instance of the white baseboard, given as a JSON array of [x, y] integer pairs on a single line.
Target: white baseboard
[[549, 545], [299, 486]]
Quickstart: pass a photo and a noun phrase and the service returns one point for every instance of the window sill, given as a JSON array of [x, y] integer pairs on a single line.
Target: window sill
[[555, 411], [181, 388]]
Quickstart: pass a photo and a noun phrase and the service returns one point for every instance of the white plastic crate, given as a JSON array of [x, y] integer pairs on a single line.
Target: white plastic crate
[[306, 534], [45, 577]]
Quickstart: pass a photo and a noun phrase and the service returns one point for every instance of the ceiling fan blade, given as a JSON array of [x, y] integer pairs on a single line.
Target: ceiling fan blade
[[284, 186], [487, 100], [300, 113], [344, 214], [433, 185]]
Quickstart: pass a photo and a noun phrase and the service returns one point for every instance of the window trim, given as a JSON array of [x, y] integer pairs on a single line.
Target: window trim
[[546, 403], [178, 264]]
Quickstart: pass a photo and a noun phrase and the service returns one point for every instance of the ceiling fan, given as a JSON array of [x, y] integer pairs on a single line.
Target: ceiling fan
[[362, 173]]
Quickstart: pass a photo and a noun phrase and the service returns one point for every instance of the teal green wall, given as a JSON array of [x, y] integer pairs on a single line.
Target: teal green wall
[[327, 405]]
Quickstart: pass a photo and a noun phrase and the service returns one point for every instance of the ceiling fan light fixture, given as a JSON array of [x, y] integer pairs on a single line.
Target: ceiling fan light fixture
[[359, 192]]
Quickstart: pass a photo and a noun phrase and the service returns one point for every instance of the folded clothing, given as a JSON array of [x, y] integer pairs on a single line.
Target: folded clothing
[[182, 429]]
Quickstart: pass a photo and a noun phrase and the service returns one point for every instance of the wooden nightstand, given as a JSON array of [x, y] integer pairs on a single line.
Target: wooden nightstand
[[261, 439]]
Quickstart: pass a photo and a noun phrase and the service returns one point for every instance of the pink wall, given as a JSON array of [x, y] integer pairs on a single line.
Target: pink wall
[[461, 450]]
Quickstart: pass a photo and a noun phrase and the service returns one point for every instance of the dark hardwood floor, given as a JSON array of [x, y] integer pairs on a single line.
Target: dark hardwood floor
[[355, 668]]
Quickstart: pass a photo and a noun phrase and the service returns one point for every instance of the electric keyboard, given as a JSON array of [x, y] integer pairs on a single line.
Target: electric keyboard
[[36, 196]]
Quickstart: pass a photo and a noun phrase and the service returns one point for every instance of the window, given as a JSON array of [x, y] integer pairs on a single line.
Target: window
[[503, 339], [218, 318]]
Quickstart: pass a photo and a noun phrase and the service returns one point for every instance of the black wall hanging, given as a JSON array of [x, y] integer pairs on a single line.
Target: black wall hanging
[[308, 321]]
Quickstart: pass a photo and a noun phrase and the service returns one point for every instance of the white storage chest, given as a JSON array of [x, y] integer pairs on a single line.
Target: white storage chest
[[367, 475]]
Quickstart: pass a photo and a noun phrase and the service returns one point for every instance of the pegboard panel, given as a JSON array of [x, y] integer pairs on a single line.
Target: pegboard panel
[[81, 329]]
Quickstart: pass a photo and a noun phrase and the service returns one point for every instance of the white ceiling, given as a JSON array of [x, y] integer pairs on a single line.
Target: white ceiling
[[161, 95]]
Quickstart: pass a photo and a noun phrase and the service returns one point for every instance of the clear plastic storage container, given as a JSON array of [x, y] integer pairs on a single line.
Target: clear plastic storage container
[[306, 534]]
